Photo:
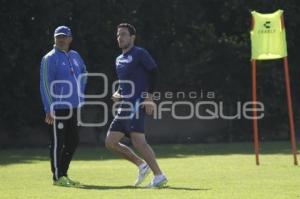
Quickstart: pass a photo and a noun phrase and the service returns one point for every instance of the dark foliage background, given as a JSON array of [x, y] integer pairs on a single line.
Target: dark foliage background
[[198, 45]]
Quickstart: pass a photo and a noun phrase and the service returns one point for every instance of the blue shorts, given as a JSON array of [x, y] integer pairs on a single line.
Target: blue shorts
[[129, 120]]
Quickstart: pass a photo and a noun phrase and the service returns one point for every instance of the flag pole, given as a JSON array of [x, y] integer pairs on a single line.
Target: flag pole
[[255, 122], [290, 110]]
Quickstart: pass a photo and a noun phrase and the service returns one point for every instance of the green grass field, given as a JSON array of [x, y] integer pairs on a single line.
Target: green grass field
[[208, 171]]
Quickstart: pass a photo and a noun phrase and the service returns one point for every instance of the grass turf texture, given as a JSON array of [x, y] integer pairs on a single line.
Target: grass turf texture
[[210, 171]]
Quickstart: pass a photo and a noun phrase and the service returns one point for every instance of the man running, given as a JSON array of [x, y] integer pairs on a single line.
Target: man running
[[136, 65]]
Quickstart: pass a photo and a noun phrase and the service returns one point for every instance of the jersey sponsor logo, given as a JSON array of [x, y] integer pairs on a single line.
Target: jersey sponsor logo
[[266, 29], [124, 60], [267, 24]]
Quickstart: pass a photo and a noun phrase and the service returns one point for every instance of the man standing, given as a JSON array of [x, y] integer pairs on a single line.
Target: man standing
[[60, 88], [136, 65]]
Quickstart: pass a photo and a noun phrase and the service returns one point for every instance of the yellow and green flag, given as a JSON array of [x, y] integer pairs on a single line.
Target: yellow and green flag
[[268, 37]]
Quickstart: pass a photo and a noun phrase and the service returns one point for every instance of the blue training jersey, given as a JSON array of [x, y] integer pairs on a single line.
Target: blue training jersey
[[134, 65]]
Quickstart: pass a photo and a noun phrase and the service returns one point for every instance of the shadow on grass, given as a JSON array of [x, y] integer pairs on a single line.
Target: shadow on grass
[[16, 156], [97, 187]]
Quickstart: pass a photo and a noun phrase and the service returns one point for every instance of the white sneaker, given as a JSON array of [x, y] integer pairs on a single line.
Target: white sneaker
[[158, 181], [144, 170]]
